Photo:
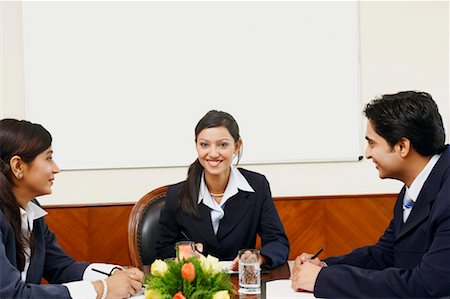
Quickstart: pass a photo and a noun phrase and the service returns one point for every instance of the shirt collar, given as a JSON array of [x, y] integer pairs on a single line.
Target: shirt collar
[[31, 212], [414, 190], [236, 182]]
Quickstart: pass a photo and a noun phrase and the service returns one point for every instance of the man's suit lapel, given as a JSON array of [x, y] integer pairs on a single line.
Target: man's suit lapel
[[422, 208], [235, 208], [418, 214], [204, 225], [398, 212]]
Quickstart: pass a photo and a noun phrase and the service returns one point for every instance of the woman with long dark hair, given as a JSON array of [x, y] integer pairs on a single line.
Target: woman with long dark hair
[[220, 206], [28, 249]]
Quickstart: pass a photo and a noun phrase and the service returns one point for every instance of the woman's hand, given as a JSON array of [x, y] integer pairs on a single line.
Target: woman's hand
[[198, 250], [235, 265], [125, 283], [122, 284], [135, 274]]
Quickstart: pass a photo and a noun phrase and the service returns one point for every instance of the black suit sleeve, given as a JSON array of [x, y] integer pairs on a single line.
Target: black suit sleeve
[[369, 272], [275, 244]]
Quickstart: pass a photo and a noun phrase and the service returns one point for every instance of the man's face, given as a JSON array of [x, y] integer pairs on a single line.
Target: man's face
[[387, 159]]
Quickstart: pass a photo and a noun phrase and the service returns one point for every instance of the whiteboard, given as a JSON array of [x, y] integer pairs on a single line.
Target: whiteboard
[[123, 84]]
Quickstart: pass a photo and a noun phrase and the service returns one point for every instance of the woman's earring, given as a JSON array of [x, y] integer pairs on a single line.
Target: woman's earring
[[20, 175]]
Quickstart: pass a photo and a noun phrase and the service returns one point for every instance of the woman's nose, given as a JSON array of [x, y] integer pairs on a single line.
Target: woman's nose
[[214, 152], [56, 168]]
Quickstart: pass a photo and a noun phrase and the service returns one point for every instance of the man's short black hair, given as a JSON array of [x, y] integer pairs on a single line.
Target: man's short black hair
[[410, 114]]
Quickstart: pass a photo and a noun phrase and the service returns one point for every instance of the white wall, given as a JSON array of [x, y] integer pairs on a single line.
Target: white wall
[[271, 61], [404, 45]]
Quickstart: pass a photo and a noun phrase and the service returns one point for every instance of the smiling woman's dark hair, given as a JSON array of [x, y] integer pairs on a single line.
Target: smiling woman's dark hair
[[26, 140], [190, 190], [410, 114]]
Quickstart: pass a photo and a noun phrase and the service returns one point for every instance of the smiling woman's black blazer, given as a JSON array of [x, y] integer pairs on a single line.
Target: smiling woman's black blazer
[[247, 214]]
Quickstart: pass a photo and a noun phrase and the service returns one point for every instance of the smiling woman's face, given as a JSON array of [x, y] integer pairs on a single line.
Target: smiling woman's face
[[216, 149], [38, 175]]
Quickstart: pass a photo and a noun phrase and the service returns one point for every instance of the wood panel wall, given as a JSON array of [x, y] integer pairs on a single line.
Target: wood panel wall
[[336, 223]]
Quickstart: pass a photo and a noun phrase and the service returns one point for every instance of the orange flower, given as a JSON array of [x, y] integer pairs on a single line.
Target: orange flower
[[179, 295], [188, 272]]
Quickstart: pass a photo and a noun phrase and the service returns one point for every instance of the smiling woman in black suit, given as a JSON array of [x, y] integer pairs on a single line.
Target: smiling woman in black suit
[[220, 206]]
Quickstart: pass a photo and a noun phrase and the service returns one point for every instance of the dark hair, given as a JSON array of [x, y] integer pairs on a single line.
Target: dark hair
[[26, 140], [190, 190], [410, 114]]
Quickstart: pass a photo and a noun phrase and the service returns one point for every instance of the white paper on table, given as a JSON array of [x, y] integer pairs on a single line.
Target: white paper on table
[[281, 289]]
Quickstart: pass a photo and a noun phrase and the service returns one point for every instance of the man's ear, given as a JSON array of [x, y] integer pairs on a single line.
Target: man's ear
[[17, 166], [403, 146]]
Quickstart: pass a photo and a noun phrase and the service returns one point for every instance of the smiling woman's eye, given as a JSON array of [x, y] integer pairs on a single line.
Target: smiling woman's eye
[[203, 144], [224, 144]]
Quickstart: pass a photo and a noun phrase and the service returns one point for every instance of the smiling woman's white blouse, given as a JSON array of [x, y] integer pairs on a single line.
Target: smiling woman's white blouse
[[236, 182]]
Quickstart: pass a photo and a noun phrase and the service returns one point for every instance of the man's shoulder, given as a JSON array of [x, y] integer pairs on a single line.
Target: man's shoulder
[[446, 153], [442, 167]]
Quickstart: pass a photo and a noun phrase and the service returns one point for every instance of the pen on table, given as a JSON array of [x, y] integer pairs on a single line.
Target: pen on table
[[317, 254]]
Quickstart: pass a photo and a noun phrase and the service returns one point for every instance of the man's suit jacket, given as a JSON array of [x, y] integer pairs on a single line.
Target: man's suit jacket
[[48, 260], [411, 259], [246, 214]]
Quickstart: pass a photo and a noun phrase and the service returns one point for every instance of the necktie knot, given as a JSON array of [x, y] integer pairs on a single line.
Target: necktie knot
[[407, 202]]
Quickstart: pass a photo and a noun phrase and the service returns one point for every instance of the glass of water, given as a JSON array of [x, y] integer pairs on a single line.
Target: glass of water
[[249, 271], [185, 250]]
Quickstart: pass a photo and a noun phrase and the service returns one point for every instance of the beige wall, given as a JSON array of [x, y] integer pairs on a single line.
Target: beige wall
[[401, 48]]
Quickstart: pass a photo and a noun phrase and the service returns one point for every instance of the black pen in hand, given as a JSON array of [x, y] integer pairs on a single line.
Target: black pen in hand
[[107, 274], [101, 272]]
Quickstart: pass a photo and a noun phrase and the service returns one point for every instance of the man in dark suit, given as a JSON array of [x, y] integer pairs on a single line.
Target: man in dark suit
[[406, 137]]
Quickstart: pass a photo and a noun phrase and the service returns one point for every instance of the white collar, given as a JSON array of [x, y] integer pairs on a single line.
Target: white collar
[[414, 190], [31, 212], [236, 182]]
